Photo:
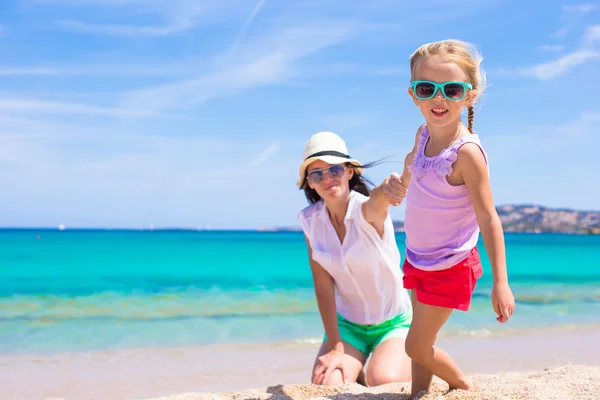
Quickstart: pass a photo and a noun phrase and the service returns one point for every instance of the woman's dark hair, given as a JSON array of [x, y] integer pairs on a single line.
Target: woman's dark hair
[[357, 183]]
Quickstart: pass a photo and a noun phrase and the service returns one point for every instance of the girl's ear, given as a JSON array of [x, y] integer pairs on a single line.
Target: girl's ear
[[350, 172], [411, 93], [471, 97]]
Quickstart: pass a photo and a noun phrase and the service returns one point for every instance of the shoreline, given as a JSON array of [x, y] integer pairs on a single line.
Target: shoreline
[[154, 372], [477, 334], [445, 335]]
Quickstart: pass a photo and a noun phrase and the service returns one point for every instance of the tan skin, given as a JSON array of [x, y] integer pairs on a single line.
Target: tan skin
[[337, 361], [470, 169]]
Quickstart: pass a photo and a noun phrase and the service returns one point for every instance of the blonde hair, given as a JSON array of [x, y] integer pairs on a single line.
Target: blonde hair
[[464, 55]]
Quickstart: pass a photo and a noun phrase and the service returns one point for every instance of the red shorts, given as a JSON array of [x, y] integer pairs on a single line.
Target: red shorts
[[450, 288]]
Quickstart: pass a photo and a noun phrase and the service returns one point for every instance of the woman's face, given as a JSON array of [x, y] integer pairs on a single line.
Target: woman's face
[[329, 180]]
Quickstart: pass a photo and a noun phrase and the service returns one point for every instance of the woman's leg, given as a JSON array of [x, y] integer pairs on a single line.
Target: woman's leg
[[389, 363], [354, 360], [427, 322]]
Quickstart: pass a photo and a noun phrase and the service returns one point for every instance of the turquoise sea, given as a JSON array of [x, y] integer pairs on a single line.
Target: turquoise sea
[[81, 290]]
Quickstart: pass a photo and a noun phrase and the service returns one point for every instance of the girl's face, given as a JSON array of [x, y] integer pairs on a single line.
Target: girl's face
[[329, 180], [445, 106]]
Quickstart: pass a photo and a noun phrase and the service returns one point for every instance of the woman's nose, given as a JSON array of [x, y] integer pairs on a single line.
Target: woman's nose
[[326, 176]]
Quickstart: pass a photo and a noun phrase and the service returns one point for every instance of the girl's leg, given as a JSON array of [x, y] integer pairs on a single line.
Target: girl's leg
[[354, 360], [389, 363], [427, 322], [421, 379]]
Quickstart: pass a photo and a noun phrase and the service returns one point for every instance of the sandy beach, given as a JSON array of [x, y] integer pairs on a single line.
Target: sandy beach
[[563, 383], [505, 367]]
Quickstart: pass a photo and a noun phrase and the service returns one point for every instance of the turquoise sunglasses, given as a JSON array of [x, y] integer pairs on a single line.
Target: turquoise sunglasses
[[425, 90]]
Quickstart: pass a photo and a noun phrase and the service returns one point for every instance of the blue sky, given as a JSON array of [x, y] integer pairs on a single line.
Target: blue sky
[[191, 113]]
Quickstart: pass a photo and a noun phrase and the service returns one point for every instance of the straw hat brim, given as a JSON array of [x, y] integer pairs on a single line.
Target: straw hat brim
[[329, 160]]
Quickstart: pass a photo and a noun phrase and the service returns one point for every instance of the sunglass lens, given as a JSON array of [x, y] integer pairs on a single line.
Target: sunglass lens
[[424, 90], [335, 171], [315, 177], [454, 90]]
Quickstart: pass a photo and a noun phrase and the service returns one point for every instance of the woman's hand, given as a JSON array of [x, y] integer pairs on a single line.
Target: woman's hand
[[503, 301], [328, 363]]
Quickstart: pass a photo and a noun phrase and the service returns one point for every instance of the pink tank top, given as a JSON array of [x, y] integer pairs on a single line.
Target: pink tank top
[[440, 222]]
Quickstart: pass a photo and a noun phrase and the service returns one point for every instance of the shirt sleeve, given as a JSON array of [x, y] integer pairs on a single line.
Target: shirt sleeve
[[359, 217], [305, 218]]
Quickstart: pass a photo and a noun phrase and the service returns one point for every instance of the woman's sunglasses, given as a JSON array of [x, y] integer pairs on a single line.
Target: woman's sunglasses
[[425, 90], [316, 175]]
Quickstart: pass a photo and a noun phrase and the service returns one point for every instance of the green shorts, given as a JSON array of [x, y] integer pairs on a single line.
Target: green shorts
[[366, 337]]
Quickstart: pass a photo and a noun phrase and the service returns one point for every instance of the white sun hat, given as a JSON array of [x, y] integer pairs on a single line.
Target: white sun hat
[[327, 147]]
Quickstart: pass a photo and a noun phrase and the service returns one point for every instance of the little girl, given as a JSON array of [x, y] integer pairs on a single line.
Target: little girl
[[448, 203]]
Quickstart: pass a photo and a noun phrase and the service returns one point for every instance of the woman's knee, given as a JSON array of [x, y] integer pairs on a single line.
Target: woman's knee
[[384, 377]]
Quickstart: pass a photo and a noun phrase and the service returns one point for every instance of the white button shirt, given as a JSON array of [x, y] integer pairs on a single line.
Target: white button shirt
[[365, 268]]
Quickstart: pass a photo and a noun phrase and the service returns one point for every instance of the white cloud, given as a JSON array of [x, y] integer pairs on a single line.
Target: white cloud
[[267, 60], [16, 105], [141, 69], [186, 94], [109, 175], [589, 116], [572, 18], [556, 173], [592, 34], [103, 3], [27, 71], [561, 65], [251, 18], [128, 30], [580, 8], [179, 15], [578, 133], [552, 47], [587, 50], [264, 155], [561, 32]]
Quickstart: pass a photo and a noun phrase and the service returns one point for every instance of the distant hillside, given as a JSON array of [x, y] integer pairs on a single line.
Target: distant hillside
[[539, 219]]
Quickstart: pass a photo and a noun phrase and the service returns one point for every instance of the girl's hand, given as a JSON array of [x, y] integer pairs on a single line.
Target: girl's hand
[[393, 189], [328, 363], [503, 301]]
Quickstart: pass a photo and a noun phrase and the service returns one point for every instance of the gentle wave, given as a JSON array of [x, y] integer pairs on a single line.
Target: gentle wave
[[138, 285], [115, 306], [549, 295], [49, 320], [473, 333], [82, 286], [217, 304], [313, 340]]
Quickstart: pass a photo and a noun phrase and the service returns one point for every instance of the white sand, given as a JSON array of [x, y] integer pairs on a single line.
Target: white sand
[[562, 383], [153, 372]]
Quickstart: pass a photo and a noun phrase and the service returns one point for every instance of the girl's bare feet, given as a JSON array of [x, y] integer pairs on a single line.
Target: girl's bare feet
[[466, 384]]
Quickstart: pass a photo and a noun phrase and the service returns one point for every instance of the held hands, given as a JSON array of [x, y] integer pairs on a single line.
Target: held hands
[[394, 189], [503, 301], [328, 363]]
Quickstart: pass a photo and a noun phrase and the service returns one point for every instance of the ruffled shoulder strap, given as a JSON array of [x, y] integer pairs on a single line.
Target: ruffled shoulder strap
[[417, 167], [467, 139], [440, 164]]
